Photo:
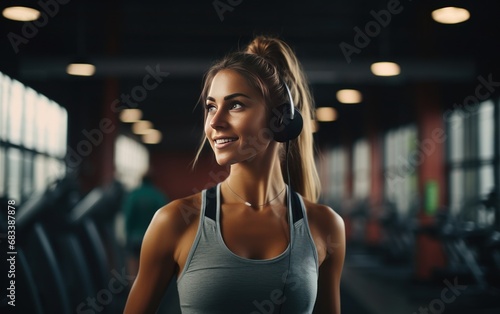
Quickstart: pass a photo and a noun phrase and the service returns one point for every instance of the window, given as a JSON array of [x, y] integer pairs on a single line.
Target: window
[[361, 169], [27, 181], [32, 140], [39, 172], [14, 173], [334, 184], [3, 175], [486, 134], [402, 155], [131, 161], [471, 159], [4, 108], [29, 119], [16, 104], [456, 131]]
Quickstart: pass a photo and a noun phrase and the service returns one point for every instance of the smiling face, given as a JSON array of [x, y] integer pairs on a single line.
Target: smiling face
[[236, 119]]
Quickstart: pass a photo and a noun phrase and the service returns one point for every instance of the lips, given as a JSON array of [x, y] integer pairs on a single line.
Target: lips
[[222, 142]]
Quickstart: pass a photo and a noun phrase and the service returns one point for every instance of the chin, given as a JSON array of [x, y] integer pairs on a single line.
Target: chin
[[225, 160]]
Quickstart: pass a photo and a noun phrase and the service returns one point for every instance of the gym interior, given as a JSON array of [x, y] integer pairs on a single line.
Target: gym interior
[[407, 138]]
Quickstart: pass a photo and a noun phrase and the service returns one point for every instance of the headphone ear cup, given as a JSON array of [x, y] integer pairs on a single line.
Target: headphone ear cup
[[285, 128]]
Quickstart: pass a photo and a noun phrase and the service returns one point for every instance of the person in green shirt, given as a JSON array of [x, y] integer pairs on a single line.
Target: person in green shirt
[[139, 207]]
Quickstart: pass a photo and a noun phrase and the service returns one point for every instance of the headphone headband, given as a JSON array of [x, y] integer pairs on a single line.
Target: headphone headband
[[290, 98]]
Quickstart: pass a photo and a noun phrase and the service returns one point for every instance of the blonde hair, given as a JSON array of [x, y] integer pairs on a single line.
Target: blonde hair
[[267, 63]]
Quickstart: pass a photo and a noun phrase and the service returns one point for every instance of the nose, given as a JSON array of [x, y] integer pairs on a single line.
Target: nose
[[218, 120]]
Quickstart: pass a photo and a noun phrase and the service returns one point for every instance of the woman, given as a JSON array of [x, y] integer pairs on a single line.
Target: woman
[[250, 244]]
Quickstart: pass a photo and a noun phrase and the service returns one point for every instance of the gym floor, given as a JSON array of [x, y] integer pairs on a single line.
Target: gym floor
[[372, 286]]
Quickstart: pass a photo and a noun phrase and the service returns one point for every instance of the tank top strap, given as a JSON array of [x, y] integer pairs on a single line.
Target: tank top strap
[[211, 202], [297, 212]]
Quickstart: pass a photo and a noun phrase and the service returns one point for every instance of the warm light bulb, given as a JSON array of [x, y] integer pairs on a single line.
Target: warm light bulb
[[22, 14], [385, 69], [130, 115], [80, 69], [152, 137], [326, 114], [450, 15], [142, 127], [349, 96]]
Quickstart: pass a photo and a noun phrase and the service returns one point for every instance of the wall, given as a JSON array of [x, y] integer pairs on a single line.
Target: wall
[[177, 179]]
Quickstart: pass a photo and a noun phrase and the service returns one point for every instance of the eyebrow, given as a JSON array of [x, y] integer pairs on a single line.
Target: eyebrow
[[228, 97]]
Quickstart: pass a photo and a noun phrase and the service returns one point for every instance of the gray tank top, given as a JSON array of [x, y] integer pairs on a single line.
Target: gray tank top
[[215, 280]]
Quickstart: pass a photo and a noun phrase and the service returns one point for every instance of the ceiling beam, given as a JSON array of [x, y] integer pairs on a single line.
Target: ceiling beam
[[318, 71]]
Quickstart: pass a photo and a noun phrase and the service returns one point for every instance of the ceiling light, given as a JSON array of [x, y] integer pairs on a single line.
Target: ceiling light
[[22, 14], [385, 68], [80, 69], [450, 15], [130, 115], [152, 137], [141, 127], [349, 96], [326, 114]]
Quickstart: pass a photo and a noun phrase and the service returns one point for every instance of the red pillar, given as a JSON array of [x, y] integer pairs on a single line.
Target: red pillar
[[348, 181], [101, 161], [110, 124], [431, 171], [373, 229], [100, 135]]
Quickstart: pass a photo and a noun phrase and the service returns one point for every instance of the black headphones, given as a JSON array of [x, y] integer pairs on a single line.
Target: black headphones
[[286, 121], [286, 125]]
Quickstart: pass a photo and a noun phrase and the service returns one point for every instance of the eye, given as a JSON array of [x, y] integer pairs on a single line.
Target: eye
[[236, 105], [210, 108]]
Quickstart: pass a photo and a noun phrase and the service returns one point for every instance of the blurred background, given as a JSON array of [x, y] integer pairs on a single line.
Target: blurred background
[[94, 94]]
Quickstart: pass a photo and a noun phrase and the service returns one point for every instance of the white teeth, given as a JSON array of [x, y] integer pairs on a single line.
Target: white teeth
[[224, 140]]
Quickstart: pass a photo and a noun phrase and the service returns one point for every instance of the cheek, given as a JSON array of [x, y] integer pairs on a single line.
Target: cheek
[[207, 128], [255, 124], [257, 133]]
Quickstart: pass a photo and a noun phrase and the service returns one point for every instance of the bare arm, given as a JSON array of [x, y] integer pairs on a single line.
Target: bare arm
[[333, 238], [157, 261]]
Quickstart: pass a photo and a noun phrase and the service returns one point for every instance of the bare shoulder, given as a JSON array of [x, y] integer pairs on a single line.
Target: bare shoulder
[[178, 215], [161, 252], [168, 234], [323, 217], [327, 229]]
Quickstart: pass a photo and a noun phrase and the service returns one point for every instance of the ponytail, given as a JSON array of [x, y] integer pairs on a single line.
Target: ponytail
[[267, 63], [303, 173]]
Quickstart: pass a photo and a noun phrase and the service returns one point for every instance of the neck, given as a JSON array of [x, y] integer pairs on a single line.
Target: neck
[[256, 182]]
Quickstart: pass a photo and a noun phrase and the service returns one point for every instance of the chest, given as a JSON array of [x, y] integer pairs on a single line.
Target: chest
[[261, 235], [216, 278]]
